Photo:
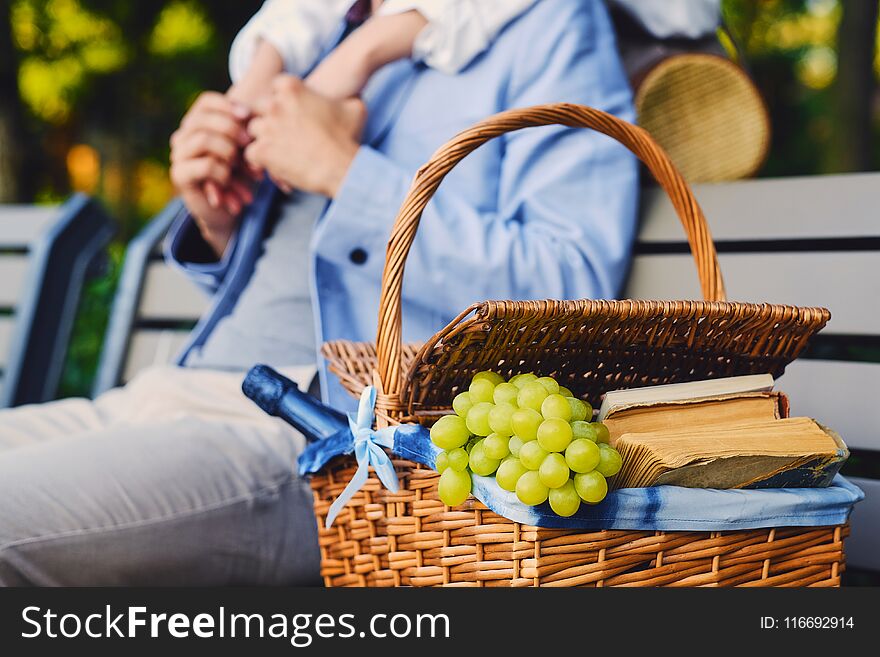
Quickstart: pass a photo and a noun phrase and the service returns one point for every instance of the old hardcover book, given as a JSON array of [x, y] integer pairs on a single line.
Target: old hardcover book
[[683, 392], [743, 408], [773, 453]]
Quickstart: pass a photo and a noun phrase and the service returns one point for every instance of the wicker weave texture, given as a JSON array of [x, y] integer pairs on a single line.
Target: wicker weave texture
[[410, 538]]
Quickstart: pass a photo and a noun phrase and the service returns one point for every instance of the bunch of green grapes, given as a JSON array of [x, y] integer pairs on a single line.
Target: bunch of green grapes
[[533, 435]]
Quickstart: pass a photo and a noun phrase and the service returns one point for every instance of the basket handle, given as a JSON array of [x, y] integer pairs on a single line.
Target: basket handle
[[428, 178]]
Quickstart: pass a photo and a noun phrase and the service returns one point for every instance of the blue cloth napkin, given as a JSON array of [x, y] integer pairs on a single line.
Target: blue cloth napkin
[[660, 508]]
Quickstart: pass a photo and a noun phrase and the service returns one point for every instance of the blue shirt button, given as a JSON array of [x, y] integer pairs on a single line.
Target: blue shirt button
[[358, 256]]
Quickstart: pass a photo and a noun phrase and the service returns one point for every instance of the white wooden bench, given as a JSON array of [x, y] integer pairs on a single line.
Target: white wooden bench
[[45, 252], [812, 241], [806, 241]]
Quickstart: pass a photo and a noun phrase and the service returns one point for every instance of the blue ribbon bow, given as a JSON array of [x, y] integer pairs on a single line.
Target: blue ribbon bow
[[368, 452]]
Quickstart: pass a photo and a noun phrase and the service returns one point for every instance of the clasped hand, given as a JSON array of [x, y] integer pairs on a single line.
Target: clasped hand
[[301, 139]]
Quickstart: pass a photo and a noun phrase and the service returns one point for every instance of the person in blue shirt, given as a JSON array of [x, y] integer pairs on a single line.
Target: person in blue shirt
[[176, 478]]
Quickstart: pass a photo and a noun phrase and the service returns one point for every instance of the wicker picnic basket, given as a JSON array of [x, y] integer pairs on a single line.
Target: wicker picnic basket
[[410, 538]]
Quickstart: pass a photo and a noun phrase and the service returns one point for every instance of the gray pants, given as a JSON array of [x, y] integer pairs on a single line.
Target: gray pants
[[176, 478]]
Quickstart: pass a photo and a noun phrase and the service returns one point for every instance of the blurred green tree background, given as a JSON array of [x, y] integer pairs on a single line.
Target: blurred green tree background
[[90, 91]]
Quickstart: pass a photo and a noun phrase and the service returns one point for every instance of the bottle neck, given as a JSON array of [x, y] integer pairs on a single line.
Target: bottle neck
[[280, 397]]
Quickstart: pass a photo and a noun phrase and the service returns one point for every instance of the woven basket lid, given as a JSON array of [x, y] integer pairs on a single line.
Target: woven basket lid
[[707, 115]]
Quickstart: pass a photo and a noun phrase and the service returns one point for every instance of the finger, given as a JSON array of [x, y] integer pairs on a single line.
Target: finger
[[213, 101], [241, 112], [196, 171], [256, 128], [219, 122], [236, 196], [202, 143], [241, 189], [212, 194], [253, 155], [226, 126], [256, 173], [232, 203]]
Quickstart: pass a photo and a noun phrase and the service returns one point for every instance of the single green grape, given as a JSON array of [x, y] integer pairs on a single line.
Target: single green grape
[[458, 459], [609, 460], [582, 455], [556, 406], [514, 445], [500, 418], [481, 390], [522, 379], [589, 406], [492, 377], [532, 395], [495, 446], [478, 419], [564, 500], [505, 393], [584, 430], [565, 392], [509, 473], [549, 384], [454, 487], [480, 463], [554, 434], [554, 471], [530, 490], [449, 432], [578, 408], [462, 404], [532, 454], [602, 434], [591, 487], [525, 423], [441, 462]]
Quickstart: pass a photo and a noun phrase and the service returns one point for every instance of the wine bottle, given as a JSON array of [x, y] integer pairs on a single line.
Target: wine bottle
[[280, 397]]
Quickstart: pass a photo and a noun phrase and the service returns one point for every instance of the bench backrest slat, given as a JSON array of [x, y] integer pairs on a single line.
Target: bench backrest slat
[[169, 295], [152, 347], [773, 209], [13, 272], [841, 395], [20, 225], [836, 280]]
